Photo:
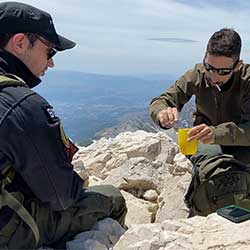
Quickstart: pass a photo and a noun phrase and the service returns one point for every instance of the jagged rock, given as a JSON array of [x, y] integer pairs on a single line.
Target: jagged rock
[[197, 233], [81, 170], [150, 195], [140, 162], [93, 181], [168, 148], [139, 174], [103, 236], [181, 165], [139, 211], [107, 154], [171, 199]]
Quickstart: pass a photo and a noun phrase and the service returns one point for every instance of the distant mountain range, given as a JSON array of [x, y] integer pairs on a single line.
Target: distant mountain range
[[92, 105]]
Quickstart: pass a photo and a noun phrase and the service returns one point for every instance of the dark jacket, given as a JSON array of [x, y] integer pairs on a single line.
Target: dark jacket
[[226, 112], [31, 141]]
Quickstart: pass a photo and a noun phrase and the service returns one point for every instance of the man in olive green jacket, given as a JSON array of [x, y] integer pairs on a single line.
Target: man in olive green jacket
[[221, 86]]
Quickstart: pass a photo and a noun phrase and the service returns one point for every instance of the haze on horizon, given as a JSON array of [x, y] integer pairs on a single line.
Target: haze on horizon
[[142, 36]]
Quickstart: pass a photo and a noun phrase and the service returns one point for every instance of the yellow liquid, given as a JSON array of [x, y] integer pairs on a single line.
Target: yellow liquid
[[187, 148]]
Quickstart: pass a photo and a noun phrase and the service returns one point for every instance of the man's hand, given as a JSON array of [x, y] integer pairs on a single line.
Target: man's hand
[[168, 117], [202, 133]]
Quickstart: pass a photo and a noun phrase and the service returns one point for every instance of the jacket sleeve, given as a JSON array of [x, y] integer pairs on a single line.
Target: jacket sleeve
[[231, 133], [177, 95], [31, 138]]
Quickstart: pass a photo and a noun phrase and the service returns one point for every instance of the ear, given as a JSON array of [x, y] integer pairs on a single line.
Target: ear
[[18, 43], [239, 65]]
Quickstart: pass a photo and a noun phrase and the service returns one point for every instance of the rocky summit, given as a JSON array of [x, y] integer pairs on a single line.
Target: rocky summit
[[153, 177]]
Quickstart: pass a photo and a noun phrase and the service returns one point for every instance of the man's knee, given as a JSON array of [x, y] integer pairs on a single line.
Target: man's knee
[[118, 210]]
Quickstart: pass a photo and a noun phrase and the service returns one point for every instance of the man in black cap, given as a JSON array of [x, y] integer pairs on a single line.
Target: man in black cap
[[42, 201]]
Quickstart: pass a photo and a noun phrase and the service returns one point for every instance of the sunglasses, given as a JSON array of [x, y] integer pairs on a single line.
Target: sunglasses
[[221, 71], [52, 51]]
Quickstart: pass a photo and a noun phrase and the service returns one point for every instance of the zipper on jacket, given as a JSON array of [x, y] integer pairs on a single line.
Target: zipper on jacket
[[217, 106]]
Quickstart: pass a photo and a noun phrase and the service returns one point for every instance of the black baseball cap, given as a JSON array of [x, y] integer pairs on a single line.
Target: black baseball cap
[[16, 17]]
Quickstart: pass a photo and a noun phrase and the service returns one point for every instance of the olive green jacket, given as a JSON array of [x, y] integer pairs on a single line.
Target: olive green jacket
[[227, 112]]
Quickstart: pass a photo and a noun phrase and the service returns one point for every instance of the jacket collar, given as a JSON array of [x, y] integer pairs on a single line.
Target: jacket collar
[[10, 64]]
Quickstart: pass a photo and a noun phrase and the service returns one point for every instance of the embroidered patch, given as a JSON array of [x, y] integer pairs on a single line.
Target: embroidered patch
[[51, 113]]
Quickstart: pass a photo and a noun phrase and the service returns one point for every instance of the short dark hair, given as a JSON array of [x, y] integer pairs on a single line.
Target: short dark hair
[[4, 39], [225, 42]]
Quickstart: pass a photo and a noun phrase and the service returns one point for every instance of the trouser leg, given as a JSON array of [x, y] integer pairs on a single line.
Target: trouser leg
[[94, 204], [58, 227], [119, 209]]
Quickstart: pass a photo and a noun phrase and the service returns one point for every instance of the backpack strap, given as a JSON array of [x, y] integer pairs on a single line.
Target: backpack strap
[[9, 199], [6, 198], [12, 80], [209, 166]]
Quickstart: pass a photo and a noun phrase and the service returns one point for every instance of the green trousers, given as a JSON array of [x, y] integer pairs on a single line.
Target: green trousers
[[58, 227]]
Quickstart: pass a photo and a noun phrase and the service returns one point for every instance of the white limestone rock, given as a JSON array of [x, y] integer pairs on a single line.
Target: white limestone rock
[[181, 165], [81, 170], [107, 154], [94, 181], [139, 211], [150, 195], [102, 236], [171, 199], [197, 233], [139, 174]]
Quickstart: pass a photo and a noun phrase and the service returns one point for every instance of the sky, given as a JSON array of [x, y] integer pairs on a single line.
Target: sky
[[131, 37]]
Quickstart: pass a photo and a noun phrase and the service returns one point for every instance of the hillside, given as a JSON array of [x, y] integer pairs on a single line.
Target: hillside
[[89, 103]]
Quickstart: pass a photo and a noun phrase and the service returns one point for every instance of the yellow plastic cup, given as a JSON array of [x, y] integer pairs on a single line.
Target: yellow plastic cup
[[187, 148]]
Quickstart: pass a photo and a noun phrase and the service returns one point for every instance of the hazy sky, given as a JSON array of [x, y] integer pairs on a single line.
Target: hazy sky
[[142, 36]]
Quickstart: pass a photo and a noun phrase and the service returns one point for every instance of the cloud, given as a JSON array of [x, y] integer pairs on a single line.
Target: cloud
[[173, 40], [138, 36], [222, 4]]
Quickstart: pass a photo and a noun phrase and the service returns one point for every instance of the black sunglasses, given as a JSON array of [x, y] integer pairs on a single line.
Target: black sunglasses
[[52, 51], [221, 71]]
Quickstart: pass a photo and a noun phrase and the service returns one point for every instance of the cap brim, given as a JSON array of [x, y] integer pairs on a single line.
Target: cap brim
[[64, 43]]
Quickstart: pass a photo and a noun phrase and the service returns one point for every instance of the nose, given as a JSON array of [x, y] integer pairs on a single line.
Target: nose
[[51, 63], [214, 76]]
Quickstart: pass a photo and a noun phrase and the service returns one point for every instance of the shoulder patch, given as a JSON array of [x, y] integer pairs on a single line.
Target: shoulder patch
[[51, 113]]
